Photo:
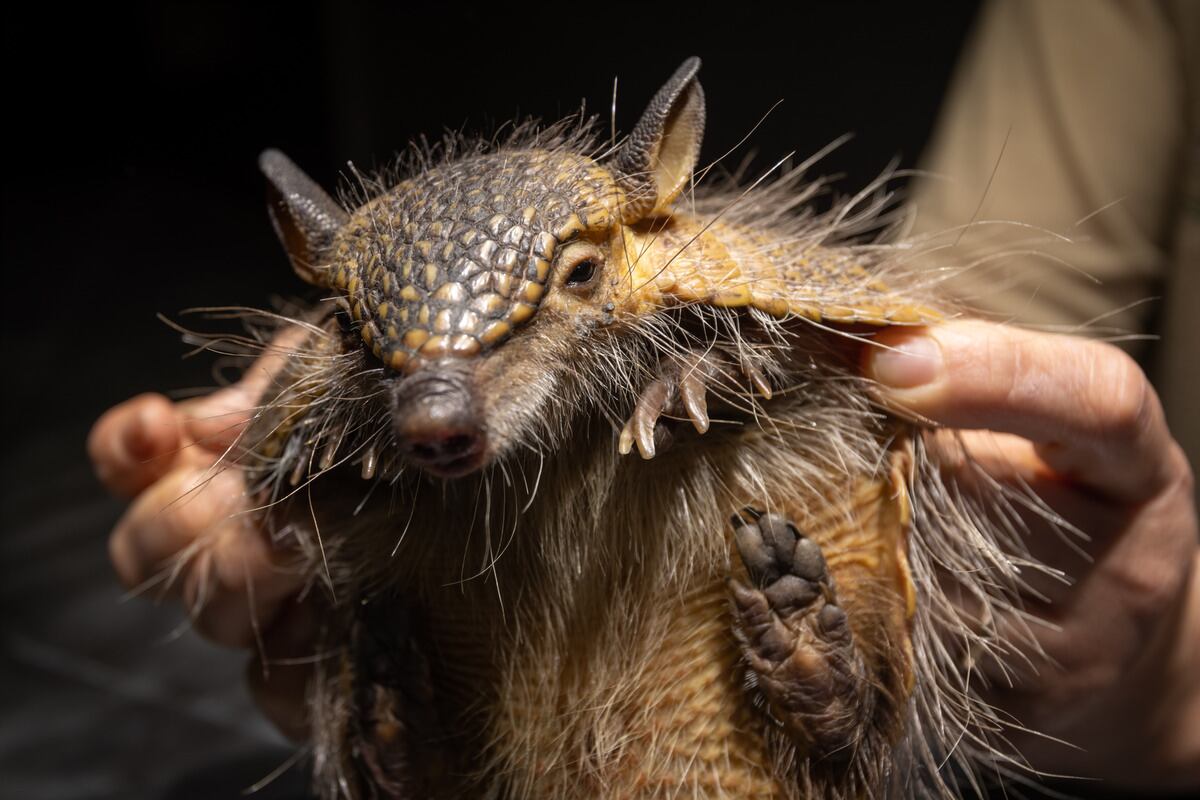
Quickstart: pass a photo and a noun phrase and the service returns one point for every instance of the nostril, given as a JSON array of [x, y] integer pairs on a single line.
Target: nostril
[[438, 447], [424, 451], [458, 445], [437, 426]]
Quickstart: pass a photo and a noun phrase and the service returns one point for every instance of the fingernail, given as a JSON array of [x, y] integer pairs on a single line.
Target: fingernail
[[908, 364]]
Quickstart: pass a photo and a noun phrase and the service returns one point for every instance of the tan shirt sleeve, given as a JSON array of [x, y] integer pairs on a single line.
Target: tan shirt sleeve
[[1060, 144]]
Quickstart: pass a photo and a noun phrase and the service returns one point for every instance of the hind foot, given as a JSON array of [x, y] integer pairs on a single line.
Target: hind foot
[[681, 389], [797, 638]]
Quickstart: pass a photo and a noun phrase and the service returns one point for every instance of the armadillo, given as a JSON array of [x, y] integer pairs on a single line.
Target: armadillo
[[758, 603]]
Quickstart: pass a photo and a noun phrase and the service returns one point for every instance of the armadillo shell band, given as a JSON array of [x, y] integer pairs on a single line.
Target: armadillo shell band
[[824, 285], [870, 308]]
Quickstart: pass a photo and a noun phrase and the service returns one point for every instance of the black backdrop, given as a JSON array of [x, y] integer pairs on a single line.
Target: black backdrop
[[130, 188]]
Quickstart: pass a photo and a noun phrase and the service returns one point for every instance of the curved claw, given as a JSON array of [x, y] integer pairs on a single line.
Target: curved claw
[[640, 427], [684, 382], [694, 395], [756, 377], [625, 443]]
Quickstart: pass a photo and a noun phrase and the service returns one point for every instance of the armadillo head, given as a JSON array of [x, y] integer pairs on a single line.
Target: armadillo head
[[450, 263], [448, 273]]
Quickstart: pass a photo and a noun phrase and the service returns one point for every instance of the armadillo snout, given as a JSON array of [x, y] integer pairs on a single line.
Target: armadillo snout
[[437, 426]]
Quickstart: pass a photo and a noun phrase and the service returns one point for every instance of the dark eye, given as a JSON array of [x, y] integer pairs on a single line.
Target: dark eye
[[583, 272]]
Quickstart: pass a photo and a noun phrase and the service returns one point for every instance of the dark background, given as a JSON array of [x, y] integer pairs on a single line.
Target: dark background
[[130, 188]]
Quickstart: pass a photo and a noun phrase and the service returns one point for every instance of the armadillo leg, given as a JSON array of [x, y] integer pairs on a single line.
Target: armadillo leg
[[796, 637]]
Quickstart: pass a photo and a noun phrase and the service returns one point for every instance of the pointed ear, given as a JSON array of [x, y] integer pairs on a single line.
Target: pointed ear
[[656, 161], [304, 216]]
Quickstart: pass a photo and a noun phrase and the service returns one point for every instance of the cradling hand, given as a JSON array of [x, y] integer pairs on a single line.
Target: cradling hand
[[1077, 421], [189, 533]]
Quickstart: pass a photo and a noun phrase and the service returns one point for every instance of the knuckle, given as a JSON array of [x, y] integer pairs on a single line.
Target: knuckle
[[1152, 594], [1179, 467], [1154, 583], [190, 517], [217, 590], [201, 501], [1124, 396]]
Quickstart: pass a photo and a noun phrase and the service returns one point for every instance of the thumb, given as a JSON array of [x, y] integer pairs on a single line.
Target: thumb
[[1086, 405]]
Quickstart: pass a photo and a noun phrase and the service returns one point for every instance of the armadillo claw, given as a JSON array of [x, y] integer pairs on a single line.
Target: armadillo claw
[[625, 443], [647, 410], [682, 388], [758, 379], [694, 395]]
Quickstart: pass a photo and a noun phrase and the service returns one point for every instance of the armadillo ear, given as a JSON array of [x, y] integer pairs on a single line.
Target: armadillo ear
[[304, 216], [656, 161]]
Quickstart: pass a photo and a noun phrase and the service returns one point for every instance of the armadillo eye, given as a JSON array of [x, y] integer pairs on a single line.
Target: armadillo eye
[[583, 272], [580, 263]]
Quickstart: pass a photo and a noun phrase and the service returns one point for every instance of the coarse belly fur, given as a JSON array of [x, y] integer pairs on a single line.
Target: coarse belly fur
[[564, 628]]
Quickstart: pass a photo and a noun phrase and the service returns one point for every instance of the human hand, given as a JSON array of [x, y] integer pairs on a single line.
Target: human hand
[[1078, 422], [190, 527]]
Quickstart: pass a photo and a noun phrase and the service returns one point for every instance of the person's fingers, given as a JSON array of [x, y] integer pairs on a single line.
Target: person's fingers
[[216, 421], [191, 530], [1001, 456], [237, 586], [171, 515], [279, 676], [134, 444], [1085, 404]]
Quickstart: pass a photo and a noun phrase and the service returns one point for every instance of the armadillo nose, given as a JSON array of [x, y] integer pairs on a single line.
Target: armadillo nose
[[439, 429]]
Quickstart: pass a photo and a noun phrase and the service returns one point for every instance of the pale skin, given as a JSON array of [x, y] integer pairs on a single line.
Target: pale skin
[[1075, 419]]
